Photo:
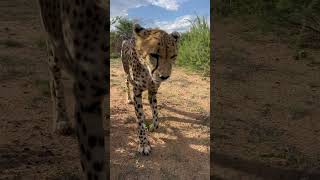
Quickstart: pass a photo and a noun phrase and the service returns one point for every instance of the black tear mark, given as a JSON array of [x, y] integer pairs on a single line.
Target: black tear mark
[[155, 67]]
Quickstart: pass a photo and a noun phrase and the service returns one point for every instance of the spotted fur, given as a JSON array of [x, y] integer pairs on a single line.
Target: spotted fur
[[147, 61], [76, 42]]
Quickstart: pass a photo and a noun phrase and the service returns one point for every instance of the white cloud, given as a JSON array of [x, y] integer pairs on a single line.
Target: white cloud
[[120, 7], [167, 4], [180, 24]]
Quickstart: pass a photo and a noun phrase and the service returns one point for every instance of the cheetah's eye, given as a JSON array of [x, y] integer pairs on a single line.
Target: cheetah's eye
[[156, 56]]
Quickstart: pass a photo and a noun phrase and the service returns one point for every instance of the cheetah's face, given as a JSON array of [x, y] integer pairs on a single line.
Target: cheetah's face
[[157, 50]]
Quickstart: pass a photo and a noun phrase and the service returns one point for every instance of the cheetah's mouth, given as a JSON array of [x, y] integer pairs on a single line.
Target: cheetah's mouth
[[156, 81], [154, 78]]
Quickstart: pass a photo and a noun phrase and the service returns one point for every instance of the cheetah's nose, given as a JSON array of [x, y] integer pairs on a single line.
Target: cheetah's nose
[[164, 77]]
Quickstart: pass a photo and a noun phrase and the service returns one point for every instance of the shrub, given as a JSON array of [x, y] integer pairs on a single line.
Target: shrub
[[194, 46]]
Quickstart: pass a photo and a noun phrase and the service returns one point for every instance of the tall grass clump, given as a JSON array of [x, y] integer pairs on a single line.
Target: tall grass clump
[[194, 46]]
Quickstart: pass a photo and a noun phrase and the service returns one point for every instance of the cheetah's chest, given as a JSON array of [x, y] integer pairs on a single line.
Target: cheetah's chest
[[141, 77]]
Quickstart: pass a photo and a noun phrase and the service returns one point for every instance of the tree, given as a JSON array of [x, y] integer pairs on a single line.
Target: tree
[[123, 30], [124, 27]]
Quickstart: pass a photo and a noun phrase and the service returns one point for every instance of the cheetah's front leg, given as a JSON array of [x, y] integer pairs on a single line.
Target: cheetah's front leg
[[89, 128], [152, 95], [144, 146], [61, 122], [129, 101]]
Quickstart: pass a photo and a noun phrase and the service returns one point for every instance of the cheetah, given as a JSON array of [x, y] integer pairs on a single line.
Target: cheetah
[[76, 43], [147, 60]]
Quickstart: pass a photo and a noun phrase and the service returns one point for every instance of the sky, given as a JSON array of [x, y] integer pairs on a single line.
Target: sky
[[169, 15]]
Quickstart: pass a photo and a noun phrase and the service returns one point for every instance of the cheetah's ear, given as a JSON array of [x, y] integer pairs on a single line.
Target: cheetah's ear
[[138, 30], [175, 35]]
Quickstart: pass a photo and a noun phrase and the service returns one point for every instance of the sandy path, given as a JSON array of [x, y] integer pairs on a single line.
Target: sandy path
[[180, 145]]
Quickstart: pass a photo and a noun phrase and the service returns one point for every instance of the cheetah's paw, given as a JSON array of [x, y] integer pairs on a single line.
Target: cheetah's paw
[[129, 101], [145, 149]]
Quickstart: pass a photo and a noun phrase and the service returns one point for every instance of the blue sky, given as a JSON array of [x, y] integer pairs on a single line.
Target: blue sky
[[170, 15]]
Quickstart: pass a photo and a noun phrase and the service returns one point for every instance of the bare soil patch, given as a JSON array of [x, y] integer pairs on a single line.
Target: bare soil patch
[[266, 123]]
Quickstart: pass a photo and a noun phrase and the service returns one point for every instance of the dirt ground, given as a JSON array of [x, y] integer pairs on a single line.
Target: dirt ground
[[180, 147], [266, 121], [28, 149]]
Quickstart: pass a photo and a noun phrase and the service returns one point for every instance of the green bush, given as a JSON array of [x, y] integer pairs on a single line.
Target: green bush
[[194, 47]]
